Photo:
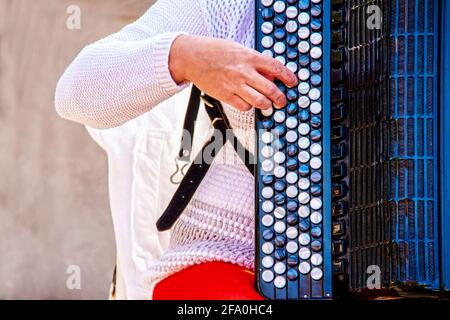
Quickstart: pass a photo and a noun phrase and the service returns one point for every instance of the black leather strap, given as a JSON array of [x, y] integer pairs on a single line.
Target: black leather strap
[[196, 172], [189, 124]]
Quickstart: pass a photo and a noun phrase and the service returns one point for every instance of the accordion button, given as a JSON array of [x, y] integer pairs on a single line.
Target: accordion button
[[316, 25], [280, 186], [316, 245], [316, 53], [292, 233], [267, 192], [279, 144], [267, 53], [304, 170], [304, 253], [316, 232], [316, 190], [304, 87], [267, 14], [315, 163], [279, 282], [292, 12], [304, 268], [267, 112], [280, 241], [316, 259], [304, 129], [279, 130], [293, 67], [292, 164], [291, 136], [316, 122], [267, 276], [279, 268], [267, 42], [316, 274], [268, 235], [268, 179], [316, 204], [316, 135], [316, 217], [279, 34], [303, 4], [279, 6], [267, 3], [267, 166], [304, 157], [304, 75], [279, 21], [280, 199], [316, 66], [292, 192], [291, 26], [314, 94], [292, 54], [292, 205], [315, 149], [282, 60], [280, 213], [291, 177], [304, 61], [267, 262], [316, 108], [304, 115], [316, 79], [267, 137], [267, 151], [291, 94], [316, 11], [292, 261], [292, 274], [267, 220], [267, 248], [304, 18], [291, 122], [267, 124], [279, 157], [267, 206], [303, 47], [304, 212], [316, 38], [304, 33], [316, 177], [292, 219], [304, 239], [267, 27], [292, 247], [280, 254], [292, 108], [279, 172], [304, 184], [304, 225]]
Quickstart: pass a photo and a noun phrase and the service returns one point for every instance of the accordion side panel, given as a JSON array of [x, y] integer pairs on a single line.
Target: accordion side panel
[[413, 148], [445, 145], [368, 121]]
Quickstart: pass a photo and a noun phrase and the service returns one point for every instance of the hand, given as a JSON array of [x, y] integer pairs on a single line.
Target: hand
[[229, 72]]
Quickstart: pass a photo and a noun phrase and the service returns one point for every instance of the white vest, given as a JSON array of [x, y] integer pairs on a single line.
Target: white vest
[[141, 159]]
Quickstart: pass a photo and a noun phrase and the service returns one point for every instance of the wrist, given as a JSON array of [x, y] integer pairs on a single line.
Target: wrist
[[178, 59]]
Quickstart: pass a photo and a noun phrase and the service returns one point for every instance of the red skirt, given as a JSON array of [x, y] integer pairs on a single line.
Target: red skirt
[[209, 281]]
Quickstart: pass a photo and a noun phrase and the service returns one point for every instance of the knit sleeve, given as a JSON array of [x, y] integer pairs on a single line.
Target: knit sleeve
[[124, 75]]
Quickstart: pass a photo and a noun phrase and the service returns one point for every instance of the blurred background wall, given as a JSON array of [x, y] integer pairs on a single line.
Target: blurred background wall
[[53, 190]]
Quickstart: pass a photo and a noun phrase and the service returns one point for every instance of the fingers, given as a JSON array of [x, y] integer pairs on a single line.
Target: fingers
[[274, 68], [255, 98], [239, 103], [267, 88]]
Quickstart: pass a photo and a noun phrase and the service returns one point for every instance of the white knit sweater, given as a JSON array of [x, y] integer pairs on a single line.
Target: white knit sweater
[[124, 75]]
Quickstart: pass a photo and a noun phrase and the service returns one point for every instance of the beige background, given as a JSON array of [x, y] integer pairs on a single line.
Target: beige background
[[53, 190]]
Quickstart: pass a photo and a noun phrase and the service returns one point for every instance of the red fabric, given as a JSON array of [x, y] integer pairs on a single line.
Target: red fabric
[[209, 281]]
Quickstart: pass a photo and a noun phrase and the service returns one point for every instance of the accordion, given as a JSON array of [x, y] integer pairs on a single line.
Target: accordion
[[353, 175]]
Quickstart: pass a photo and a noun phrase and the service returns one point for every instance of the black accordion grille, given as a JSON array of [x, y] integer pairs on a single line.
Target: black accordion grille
[[392, 92]]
